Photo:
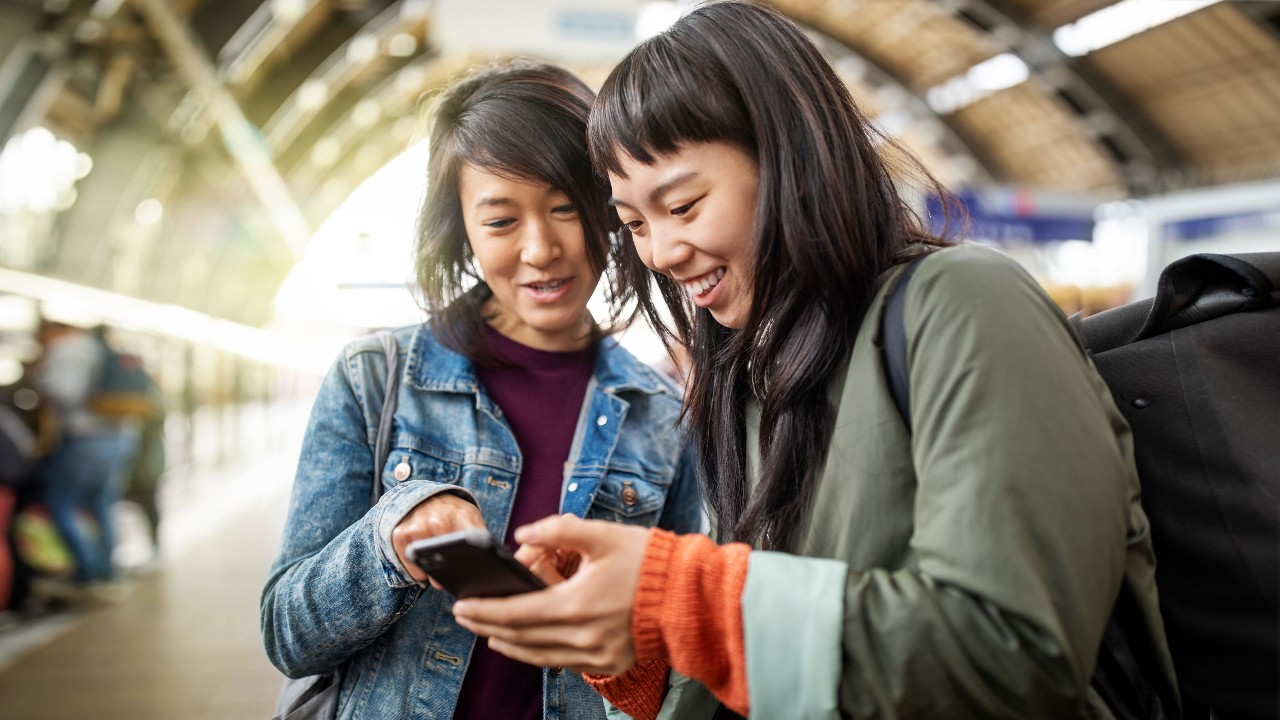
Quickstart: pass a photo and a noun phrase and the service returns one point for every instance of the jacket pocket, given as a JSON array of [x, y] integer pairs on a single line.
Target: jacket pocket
[[625, 496]]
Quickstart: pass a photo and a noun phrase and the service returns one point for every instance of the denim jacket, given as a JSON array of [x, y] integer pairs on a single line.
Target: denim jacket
[[338, 590]]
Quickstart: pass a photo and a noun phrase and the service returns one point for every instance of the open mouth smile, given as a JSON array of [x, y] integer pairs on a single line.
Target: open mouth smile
[[703, 284]]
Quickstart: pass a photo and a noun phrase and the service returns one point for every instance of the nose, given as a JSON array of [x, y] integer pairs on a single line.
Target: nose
[[667, 249], [540, 245]]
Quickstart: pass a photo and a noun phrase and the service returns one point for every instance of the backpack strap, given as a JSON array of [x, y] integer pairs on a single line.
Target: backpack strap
[[382, 443], [893, 328]]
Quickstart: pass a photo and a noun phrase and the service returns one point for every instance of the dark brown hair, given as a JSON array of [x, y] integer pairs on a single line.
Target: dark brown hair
[[829, 220], [518, 119]]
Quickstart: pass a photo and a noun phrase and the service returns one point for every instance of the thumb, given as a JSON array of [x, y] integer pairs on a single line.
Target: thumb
[[561, 532]]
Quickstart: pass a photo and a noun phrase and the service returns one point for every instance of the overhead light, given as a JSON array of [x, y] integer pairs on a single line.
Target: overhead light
[[84, 165], [362, 49], [998, 73], [36, 169], [148, 212], [1125, 19], [312, 95], [402, 45]]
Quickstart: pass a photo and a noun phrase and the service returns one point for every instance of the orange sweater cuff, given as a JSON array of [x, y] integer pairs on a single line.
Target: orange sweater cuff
[[638, 692], [688, 610]]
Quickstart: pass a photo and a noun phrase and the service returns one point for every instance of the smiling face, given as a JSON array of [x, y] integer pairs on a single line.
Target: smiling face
[[691, 215], [528, 241]]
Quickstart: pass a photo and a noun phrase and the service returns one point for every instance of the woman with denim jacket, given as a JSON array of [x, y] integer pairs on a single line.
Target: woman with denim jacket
[[513, 405], [960, 560]]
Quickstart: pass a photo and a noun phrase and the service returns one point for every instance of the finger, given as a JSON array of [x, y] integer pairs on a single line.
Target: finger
[[544, 636], [434, 584], [567, 562], [527, 555], [532, 608], [567, 532], [545, 567]]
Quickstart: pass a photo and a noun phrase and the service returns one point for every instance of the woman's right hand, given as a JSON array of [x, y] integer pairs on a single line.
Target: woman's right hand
[[552, 565], [437, 515]]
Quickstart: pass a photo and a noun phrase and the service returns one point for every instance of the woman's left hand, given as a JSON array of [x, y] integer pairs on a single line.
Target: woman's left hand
[[583, 623]]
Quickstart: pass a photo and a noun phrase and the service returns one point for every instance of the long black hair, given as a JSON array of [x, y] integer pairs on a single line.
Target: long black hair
[[519, 119], [829, 220]]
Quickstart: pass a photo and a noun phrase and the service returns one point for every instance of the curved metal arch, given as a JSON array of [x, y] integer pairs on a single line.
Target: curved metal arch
[[1139, 148], [1135, 149]]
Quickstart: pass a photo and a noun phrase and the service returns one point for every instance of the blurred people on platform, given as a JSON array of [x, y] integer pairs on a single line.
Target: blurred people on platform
[[28, 432], [81, 375], [142, 483]]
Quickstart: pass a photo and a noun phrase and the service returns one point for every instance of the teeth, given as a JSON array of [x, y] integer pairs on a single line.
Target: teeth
[[547, 287], [703, 284]]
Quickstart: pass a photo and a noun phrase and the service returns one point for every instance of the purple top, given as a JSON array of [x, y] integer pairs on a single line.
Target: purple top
[[541, 395]]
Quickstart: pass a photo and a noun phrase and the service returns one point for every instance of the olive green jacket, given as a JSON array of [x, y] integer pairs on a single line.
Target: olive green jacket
[[965, 568]]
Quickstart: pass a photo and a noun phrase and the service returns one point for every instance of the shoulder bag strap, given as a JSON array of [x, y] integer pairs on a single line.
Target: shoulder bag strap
[[382, 445], [893, 328]]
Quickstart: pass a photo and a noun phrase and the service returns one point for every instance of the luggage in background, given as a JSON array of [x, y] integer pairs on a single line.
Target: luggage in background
[[1196, 372]]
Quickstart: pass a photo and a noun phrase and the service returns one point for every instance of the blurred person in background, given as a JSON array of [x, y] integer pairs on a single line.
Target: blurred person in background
[[87, 470], [514, 405], [142, 484], [28, 432]]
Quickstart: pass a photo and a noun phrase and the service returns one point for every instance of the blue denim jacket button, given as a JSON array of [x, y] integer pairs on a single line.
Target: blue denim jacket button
[[602, 420], [402, 471]]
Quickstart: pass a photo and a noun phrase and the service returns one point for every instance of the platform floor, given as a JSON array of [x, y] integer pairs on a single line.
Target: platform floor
[[181, 642]]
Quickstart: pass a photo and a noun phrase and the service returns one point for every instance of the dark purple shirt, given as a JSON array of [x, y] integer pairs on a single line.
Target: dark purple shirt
[[541, 396]]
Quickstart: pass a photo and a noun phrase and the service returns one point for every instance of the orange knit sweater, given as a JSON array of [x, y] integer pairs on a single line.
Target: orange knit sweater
[[687, 615]]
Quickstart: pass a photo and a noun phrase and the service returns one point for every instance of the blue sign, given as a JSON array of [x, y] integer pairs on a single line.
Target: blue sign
[[1013, 215]]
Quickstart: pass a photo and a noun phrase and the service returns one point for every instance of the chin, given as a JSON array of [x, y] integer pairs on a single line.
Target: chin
[[732, 321]]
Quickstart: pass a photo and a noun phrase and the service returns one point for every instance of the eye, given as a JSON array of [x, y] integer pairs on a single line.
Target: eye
[[633, 225], [683, 209], [498, 224], [565, 209]]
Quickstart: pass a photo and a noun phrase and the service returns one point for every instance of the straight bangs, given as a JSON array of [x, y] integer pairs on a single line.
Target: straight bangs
[[648, 106]]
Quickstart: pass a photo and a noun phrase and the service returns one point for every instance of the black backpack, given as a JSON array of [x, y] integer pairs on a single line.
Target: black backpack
[[1196, 372]]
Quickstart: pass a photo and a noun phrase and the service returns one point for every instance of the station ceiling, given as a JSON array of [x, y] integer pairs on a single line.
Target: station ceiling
[[245, 123]]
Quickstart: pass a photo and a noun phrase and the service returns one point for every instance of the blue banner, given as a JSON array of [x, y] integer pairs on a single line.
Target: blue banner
[[1018, 215]]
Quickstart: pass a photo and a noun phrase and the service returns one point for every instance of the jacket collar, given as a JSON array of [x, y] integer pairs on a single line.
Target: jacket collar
[[432, 366]]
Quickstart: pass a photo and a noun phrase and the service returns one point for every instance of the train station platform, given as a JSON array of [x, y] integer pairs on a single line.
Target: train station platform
[[180, 639]]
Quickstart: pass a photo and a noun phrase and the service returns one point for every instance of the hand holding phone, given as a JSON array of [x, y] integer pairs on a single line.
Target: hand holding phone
[[441, 513], [470, 563]]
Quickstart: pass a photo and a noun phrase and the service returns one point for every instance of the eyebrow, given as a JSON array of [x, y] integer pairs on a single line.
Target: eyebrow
[[656, 194], [493, 201]]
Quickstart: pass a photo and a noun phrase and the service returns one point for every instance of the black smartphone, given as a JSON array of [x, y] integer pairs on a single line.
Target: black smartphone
[[470, 563]]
